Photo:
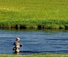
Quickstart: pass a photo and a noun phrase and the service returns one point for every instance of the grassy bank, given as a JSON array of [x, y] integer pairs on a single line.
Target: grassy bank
[[29, 13], [36, 55]]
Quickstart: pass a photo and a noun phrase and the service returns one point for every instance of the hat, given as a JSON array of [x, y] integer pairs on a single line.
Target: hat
[[18, 38]]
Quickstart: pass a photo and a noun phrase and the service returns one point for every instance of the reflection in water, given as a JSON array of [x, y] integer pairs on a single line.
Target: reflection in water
[[16, 53], [34, 41], [45, 30]]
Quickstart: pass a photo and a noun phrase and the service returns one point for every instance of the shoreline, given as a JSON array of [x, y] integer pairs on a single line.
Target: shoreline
[[18, 27], [36, 55]]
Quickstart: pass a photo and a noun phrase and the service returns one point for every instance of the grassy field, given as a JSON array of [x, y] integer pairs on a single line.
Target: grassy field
[[47, 13], [36, 55]]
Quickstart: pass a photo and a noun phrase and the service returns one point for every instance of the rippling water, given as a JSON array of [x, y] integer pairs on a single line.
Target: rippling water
[[34, 41]]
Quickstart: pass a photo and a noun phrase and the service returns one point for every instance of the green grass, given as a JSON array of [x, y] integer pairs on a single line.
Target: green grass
[[36, 55], [34, 12]]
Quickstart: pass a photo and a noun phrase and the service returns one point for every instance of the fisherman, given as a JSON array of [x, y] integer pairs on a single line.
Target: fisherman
[[17, 45]]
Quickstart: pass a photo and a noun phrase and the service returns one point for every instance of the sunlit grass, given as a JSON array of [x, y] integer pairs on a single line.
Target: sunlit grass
[[36, 55], [34, 12]]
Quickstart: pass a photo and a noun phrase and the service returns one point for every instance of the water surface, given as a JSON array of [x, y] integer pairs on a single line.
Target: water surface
[[40, 41]]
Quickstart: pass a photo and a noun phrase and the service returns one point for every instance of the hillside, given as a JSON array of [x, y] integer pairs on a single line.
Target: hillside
[[47, 13]]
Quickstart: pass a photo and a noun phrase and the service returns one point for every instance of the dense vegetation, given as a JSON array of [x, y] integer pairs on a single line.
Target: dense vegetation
[[47, 13]]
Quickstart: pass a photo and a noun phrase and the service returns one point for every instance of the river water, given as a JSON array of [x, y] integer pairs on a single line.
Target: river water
[[34, 41]]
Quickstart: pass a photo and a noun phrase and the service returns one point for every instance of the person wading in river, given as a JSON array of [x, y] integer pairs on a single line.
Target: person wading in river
[[17, 45]]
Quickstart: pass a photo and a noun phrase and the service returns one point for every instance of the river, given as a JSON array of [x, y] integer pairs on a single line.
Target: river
[[34, 41]]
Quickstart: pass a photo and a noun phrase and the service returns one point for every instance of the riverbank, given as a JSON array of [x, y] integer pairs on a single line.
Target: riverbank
[[36, 55], [33, 14], [35, 24]]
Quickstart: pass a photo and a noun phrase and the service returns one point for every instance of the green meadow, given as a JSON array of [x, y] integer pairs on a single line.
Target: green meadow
[[36, 55], [47, 13]]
